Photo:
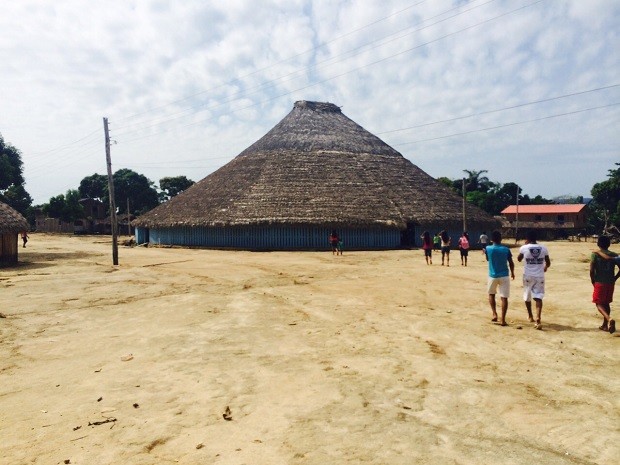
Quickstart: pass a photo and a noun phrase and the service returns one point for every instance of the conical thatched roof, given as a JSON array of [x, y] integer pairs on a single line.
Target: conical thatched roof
[[11, 221], [315, 167]]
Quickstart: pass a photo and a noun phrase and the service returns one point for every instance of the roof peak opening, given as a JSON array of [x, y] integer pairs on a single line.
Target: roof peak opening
[[317, 106]]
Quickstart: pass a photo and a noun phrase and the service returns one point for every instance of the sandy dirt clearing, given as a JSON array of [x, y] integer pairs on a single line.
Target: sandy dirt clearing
[[369, 357]]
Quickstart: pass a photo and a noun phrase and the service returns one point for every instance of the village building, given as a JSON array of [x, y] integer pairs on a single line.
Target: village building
[[551, 221], [12, 223], [314, 172]]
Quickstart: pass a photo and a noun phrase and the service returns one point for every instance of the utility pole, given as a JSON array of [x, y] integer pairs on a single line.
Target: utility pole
[[517, 218], [128, 219], [113, 222], [464, 214]]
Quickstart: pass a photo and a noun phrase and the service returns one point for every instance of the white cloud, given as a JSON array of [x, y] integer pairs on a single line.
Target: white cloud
[[194, 80]]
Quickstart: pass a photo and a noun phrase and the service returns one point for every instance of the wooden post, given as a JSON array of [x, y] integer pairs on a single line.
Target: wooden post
[[113, 222], [517, 218], [128, 219], [464, 213]]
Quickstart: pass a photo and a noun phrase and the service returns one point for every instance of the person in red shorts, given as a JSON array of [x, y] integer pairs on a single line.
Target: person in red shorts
[[603, 280]]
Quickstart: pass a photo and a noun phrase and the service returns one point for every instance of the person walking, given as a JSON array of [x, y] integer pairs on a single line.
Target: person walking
[[537, 262], [436, 242], [603, 280], [464, 248], [500, 261], [446, 240], [484, 242], [24, 238], [427, 246]]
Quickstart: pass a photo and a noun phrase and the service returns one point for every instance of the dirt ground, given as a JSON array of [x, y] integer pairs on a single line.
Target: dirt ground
[[232, 357]]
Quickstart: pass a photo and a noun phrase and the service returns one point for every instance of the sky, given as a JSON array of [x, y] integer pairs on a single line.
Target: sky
[[528, 90]]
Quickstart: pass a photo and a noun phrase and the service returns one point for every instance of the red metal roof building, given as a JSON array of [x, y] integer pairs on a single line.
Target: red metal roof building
[[557, 220]]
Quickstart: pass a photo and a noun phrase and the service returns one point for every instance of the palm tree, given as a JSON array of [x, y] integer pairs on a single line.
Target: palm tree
[[476, 182]]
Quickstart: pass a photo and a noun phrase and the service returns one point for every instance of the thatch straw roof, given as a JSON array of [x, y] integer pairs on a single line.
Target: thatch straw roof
[[315, 167], [11, 221]]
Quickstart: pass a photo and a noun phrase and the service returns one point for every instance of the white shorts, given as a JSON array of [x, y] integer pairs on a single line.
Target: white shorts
[[533, 287], [503, 284]]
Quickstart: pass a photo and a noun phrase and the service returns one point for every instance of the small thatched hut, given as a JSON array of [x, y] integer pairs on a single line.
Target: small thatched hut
[[314, 172], [11, 223]]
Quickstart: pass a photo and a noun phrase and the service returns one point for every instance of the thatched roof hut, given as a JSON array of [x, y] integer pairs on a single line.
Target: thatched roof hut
[[11, 223], [315, 171]]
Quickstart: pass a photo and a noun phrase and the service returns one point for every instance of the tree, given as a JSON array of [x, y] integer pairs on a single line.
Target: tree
[[65, 207], [172, 186], [476, 182], [17, 197], [12, 191], [94, 186], [135, 187], [449, 183], [606, 201]]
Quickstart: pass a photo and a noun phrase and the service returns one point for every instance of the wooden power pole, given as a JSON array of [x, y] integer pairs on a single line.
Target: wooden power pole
[[113, 222], [464, 212]]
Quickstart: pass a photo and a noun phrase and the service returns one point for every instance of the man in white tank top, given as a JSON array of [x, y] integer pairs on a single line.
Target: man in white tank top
[[537, 262]]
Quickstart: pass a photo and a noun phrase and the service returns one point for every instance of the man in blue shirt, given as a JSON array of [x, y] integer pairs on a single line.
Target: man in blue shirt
[[500, 259]]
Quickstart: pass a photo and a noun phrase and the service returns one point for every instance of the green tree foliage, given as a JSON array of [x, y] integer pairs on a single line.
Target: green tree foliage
[[65, 207], [448, 183], [475, 181], [12, 191], [94, 186], [171, 186], [135, 187], [605, 204], [128, 184], [488, 195], [18, 198]]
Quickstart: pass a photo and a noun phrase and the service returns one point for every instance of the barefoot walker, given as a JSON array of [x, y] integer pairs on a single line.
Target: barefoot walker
[[603, 280], [537, 262], [500, 259]]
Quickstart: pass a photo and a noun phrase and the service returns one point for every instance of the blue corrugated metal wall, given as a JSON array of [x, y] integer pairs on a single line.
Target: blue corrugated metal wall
[[270, 237]]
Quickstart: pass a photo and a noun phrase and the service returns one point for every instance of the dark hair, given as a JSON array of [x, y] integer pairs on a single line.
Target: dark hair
[[496, 237], [466, 235], [603, 242], [444, 235], [426, 237], [531, 235]]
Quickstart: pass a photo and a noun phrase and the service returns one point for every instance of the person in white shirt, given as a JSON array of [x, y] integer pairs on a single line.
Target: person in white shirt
[[537, 262]]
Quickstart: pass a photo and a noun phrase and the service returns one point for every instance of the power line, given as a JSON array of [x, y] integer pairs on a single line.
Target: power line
[[499, 109], [508, 125]]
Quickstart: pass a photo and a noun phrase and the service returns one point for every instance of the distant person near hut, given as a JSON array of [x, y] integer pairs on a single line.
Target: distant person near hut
[[537, 262], [445, 247], [436, 242], [604, 280], [427, 246], [335, 243], [500, 260], [484, 242], [464, 248], [24, 238]]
